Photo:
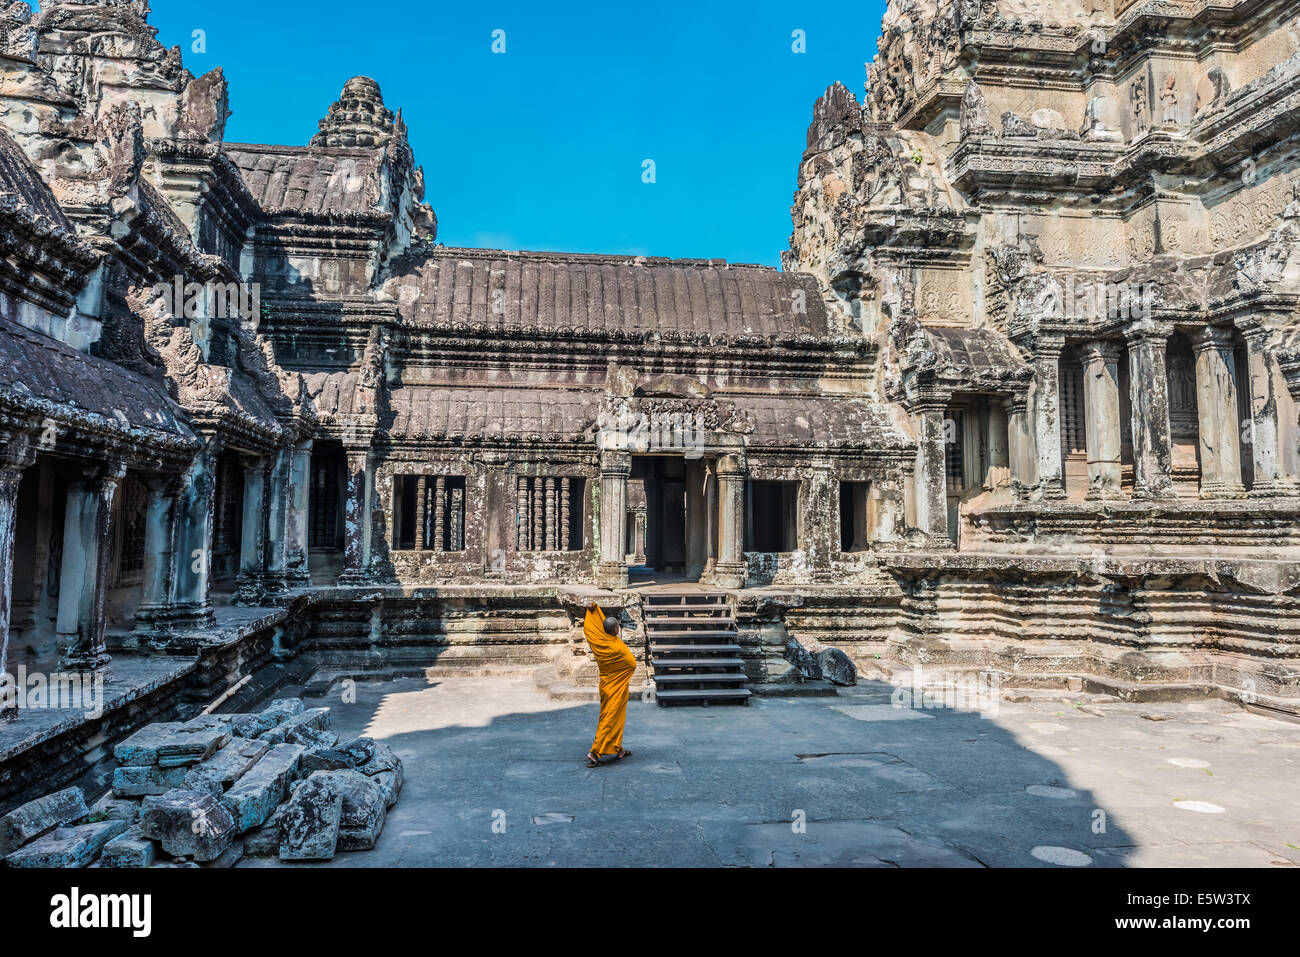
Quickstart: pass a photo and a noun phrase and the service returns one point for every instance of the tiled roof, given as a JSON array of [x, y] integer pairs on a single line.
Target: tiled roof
[[41, 369], [307, 181], [813, 422], [519, 291], [492, 414]]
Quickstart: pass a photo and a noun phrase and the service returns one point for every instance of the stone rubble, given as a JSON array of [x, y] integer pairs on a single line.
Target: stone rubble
[[209, 791]]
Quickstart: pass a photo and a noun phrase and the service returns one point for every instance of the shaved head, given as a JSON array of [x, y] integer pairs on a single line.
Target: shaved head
[[611, 625]]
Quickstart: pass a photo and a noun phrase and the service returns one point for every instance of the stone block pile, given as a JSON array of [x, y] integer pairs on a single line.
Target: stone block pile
[[211, 790]]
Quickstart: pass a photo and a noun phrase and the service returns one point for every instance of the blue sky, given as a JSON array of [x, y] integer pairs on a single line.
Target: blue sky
[[543, 147]]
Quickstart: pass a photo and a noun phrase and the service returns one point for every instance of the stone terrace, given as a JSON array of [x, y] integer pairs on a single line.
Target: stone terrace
[[1186, 784]]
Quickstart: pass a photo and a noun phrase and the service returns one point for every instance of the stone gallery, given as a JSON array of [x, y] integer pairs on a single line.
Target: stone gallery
[[1021, 402]]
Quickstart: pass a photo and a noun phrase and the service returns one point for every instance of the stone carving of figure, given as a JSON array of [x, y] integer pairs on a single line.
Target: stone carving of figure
[[1138, 93], [1169, 102], [974, 112]]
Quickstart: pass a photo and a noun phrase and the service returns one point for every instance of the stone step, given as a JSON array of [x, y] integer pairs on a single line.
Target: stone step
[[679, 599], [696, 649], [695, 696], [730, 677], [718, 633], [653, 624], [697, 663], [658, 610]]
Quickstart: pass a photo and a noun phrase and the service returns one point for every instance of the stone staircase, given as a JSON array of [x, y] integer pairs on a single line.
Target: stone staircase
[[692, 649]]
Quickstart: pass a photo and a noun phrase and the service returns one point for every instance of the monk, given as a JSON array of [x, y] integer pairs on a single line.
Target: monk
[[617, 664]]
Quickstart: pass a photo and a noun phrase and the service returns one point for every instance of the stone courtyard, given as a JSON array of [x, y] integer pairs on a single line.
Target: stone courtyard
[[1180, 784]]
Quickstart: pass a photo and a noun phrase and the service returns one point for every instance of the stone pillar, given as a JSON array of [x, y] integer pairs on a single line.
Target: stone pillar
[[1101, 403], [1149, 398], [615, 467], [1263, 426], [83, 579], [731, 569], [1217, 414], [279, 492], [253, 538], [192, 559], [565, 514], [523, 525], [999, 464], [14, 458], [159, 548], [552, 538], [931, 477], [1046, 402], [1020, 460], [421, 511], [356, 516], [439, 513], [297, 569], [891, 511]]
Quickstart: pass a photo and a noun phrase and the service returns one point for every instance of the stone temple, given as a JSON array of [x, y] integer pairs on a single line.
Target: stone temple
[[1023, 399]]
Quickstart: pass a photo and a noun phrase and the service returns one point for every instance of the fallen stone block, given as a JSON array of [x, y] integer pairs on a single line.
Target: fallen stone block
[[139, 781], [141, 749], [67, 846], [230, 856], [281, 710], [116, 808], [837, 667], [361, 750], [129, 849], [326, 759], [311, 820], [390, 783], [188, 824], [39, 817], [264, 842], [364, 810], [317, 719], [383, 759], [228, 765], [186, 864], [254, 798], [192, 742]]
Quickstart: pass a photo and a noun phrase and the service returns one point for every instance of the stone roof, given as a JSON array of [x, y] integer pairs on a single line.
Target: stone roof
[[461, 289], [40, 370], [492, 414], [974, 352], [822, 422], [312, 182]]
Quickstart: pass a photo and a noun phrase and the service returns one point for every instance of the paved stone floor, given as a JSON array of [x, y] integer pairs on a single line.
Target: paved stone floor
[[494, 776]]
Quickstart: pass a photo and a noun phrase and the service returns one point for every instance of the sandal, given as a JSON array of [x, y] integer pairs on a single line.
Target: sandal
[[593, 761], [622, 753]]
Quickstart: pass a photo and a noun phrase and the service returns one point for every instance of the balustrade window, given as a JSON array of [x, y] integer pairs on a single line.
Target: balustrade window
[[548, 513], [429, 512]]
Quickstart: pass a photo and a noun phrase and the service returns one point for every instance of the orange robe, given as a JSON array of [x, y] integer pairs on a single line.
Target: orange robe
[[617, 665]]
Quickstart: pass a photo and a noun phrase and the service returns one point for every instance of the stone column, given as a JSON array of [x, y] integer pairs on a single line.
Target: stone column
[[83, 580], [931, 477], [279, 494], [1149, 398], [192, 559], [891, 524], [14, 458], [1217, 414], [999, 464], [356, 516], [730, 570], [253, 538], [159, 548], [1263, 426], [1020, 460], [421, 511], [615, 467], [1046, 403], [1101, 402], [297, 522]]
